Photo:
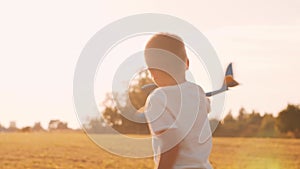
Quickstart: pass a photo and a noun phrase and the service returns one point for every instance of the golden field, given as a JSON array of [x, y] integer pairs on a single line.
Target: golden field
[[77, 151]]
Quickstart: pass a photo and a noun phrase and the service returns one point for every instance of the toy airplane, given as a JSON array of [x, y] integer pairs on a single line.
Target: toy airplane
[[228, 82]]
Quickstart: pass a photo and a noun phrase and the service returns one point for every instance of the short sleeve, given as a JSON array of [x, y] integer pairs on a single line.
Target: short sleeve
[[158, 116]]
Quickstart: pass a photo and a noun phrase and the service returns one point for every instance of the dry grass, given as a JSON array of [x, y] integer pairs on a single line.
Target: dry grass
[[256, 153], [77, 151]]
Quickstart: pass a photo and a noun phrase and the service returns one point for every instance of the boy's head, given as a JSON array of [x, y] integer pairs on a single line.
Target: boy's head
[[166, 59]]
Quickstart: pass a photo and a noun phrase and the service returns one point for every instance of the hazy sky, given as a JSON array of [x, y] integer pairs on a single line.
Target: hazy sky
[[40, 42]]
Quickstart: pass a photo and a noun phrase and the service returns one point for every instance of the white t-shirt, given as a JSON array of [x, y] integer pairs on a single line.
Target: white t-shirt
[[182, 109]]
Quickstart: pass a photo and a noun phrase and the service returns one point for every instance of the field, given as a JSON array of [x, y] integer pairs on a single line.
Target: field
[[77, 151]]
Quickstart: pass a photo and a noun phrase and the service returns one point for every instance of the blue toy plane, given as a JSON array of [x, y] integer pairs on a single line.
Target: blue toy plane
[[228, 82]]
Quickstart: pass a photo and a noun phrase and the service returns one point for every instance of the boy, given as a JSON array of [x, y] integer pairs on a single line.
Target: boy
[[176, 111]]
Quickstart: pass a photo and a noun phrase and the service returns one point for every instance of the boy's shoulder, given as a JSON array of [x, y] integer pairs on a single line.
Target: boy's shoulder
[[184, 87], [157, 95], [162, 94]]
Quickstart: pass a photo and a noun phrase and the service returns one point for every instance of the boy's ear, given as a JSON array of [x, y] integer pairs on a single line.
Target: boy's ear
[[187, 64]]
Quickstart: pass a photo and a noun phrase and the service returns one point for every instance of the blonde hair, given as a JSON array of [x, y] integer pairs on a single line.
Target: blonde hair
[[166, 52], [169, 42]]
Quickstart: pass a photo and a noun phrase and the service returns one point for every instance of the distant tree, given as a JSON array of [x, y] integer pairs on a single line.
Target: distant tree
[[267, 127], [12, 124], [136, 96], [26, 129], [229, 118], [112, 116], [119, 107], [243, 115], [2, 128], [255, 118], [12, 127], [57, 125], [98, 125], [228, 127], [37, 127], [251, 124], [288, 120], [62, 126], [243, 127], [117, 118]]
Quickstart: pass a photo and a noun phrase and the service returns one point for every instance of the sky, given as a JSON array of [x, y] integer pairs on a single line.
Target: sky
[[40, 42]]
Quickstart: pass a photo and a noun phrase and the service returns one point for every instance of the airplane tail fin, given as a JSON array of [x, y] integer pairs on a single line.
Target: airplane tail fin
[[229, 80]]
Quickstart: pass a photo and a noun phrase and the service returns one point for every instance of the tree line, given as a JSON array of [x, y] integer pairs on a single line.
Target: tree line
[[246, 124], [53, 125]]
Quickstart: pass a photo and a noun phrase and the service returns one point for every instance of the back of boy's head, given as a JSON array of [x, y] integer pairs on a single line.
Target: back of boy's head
[[168, 42], [166, 52]]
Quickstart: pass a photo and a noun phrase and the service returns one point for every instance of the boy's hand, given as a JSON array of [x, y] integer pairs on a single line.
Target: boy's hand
[[207, 105]]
